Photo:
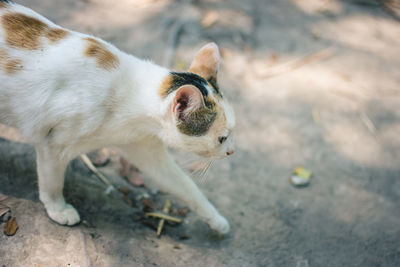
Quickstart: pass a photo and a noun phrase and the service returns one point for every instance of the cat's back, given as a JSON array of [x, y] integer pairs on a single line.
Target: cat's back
[[25, 38], [29, 42], [44, 65]]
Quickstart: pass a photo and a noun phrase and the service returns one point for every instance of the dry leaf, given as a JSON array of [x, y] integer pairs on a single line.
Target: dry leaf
[[183, 211], [149, 205], [11, 227], [131, 173], [124, 190], [135, 178]]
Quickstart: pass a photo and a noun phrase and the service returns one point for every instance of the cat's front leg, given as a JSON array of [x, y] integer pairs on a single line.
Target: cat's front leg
[[51, 168], [154, 161]]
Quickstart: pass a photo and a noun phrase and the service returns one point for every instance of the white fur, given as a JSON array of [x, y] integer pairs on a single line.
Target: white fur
[[66, 105]]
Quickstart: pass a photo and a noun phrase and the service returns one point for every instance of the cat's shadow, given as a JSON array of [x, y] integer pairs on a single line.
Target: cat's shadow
[[18, 178]]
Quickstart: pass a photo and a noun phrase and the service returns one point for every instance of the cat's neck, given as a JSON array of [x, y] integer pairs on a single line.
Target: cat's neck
[[139, 100]]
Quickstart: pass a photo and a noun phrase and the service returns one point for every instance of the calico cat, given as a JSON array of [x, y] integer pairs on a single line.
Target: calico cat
[[70, 93]]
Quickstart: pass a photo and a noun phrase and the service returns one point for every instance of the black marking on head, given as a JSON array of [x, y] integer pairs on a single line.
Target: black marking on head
[[178, 79], [184, 78], [6, 1]]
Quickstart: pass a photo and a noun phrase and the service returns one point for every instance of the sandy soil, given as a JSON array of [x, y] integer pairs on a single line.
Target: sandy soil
[[336, 114]]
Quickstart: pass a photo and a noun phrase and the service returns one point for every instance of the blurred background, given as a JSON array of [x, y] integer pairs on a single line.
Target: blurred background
[[314, 83]]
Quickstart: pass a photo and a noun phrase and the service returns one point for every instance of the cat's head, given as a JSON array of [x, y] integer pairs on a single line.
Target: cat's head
[[200, 119]]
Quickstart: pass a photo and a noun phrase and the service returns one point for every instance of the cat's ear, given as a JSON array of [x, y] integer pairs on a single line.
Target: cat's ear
[[206, 61], [187, 99]]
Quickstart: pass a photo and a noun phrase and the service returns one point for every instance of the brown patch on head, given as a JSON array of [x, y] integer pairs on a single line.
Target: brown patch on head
[[166, 84], [55, 35], [104, 58], [3, 5], [9, 65], [22, 32]]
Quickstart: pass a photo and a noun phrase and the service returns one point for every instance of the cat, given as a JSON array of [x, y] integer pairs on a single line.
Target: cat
[[70, 93]]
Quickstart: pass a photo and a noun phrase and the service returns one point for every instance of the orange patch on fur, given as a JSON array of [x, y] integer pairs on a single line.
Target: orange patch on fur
[[104, 58], [165, 85], [22, 31], [9, 65], [3, 55], [55, 35], [13, 66]]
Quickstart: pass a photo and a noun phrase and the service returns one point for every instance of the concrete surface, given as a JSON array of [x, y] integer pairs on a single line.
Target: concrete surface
[[338, 116]]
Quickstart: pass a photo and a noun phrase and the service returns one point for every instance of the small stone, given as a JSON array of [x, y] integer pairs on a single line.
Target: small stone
[[300, 177], [299, 181]]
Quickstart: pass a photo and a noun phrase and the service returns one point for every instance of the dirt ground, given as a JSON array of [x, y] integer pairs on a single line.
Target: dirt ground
[[335, 112]]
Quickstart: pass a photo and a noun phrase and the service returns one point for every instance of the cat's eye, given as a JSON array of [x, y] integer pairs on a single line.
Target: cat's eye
[[222, 139]]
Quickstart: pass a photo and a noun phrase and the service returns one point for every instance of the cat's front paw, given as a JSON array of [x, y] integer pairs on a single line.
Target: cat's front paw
[[65, 214], [219, 224]]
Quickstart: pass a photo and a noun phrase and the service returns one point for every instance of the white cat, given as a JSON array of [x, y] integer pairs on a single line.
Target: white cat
[[70, 93]]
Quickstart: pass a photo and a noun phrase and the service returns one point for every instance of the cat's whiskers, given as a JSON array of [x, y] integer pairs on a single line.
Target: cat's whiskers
[[200, 174], [206, 171]]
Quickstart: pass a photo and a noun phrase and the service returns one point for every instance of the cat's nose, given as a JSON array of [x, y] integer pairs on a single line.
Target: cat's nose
[[230, 152]]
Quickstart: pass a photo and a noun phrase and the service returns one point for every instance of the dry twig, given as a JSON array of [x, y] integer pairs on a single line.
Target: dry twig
[[166, 208], [90, 165], [163, 216]]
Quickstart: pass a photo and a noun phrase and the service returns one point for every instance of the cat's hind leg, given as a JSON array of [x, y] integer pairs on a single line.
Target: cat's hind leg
[[51, 168]]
